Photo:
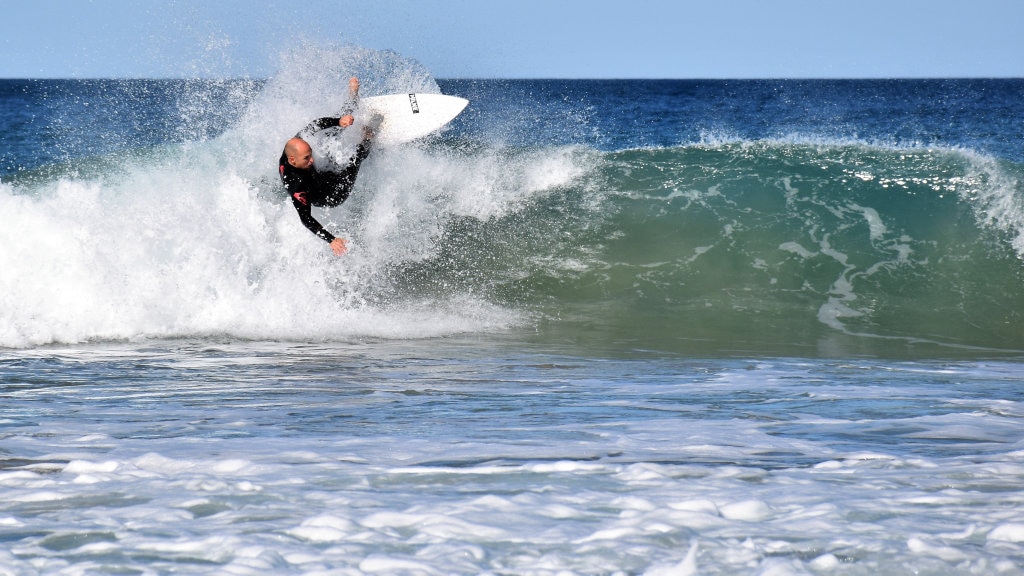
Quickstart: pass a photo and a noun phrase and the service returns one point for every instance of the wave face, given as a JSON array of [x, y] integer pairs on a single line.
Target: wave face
[[562, 212], [832, 248]]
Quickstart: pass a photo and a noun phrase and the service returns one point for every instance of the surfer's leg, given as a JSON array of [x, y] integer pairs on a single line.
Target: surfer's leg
[[341, 183]]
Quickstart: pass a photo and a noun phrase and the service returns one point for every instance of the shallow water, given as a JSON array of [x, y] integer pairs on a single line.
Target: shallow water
[[465, 457]]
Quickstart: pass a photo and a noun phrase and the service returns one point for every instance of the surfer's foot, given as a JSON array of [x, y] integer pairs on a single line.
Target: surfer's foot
[[368, 133]]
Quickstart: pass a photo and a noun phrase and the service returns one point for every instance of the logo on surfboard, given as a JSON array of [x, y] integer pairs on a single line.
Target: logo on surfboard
[[415, 105]]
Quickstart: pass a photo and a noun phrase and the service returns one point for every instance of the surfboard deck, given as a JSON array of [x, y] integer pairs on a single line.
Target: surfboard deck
[[399, 118]]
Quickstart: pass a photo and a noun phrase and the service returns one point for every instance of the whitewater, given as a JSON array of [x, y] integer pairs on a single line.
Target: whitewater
[[591, 327]]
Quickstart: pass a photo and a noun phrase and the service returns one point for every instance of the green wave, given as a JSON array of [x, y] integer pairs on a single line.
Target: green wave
[[763, 246]]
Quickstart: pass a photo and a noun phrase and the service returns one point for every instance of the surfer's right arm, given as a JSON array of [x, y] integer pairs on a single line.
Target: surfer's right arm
[[344, 121], [325, 123], [353, 99]]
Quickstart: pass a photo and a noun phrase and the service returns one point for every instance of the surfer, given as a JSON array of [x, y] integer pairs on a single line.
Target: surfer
[[310, 187]]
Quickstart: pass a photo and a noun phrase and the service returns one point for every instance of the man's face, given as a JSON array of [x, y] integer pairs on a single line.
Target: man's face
[[303, 156]]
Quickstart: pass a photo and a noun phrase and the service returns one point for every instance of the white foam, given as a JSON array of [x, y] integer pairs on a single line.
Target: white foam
[[384, 565], [824, 562], [749, 510], [687, 567], [53, 496], [797, 249], [995, 194], [324, 528], [702, 506], [86, 467], [161, 464], [565, 466], [437, 525], [946, 553], [876, 228], [1009, 532], [217, 549], [22, 478], [559, 511], [239, 266]]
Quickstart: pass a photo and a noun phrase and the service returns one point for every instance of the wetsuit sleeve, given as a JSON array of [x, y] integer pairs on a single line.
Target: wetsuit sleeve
[[306, 216], [318, 125]]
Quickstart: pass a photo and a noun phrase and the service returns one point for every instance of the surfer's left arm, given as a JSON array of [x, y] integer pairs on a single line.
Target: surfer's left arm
[[338, 245]]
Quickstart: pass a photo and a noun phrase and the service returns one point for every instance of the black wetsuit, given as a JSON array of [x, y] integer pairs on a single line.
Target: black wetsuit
[[311, 187]]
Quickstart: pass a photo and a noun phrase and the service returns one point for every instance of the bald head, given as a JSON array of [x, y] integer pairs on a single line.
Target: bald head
[[298, 152]]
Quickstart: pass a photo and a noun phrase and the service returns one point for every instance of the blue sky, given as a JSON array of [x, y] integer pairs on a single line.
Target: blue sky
[[522, 38]]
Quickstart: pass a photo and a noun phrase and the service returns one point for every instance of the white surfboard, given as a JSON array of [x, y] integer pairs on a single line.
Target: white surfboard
[[405, 117]]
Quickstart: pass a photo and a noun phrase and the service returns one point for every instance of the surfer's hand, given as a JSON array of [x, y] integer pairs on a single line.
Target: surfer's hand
[[346, 121], [353, 87], [339, 246]]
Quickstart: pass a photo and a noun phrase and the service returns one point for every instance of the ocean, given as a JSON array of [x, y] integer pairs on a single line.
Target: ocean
[[662, 327]]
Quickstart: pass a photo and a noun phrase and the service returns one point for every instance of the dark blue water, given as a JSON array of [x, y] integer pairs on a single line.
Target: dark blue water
[[46, 121], [981, 115]]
